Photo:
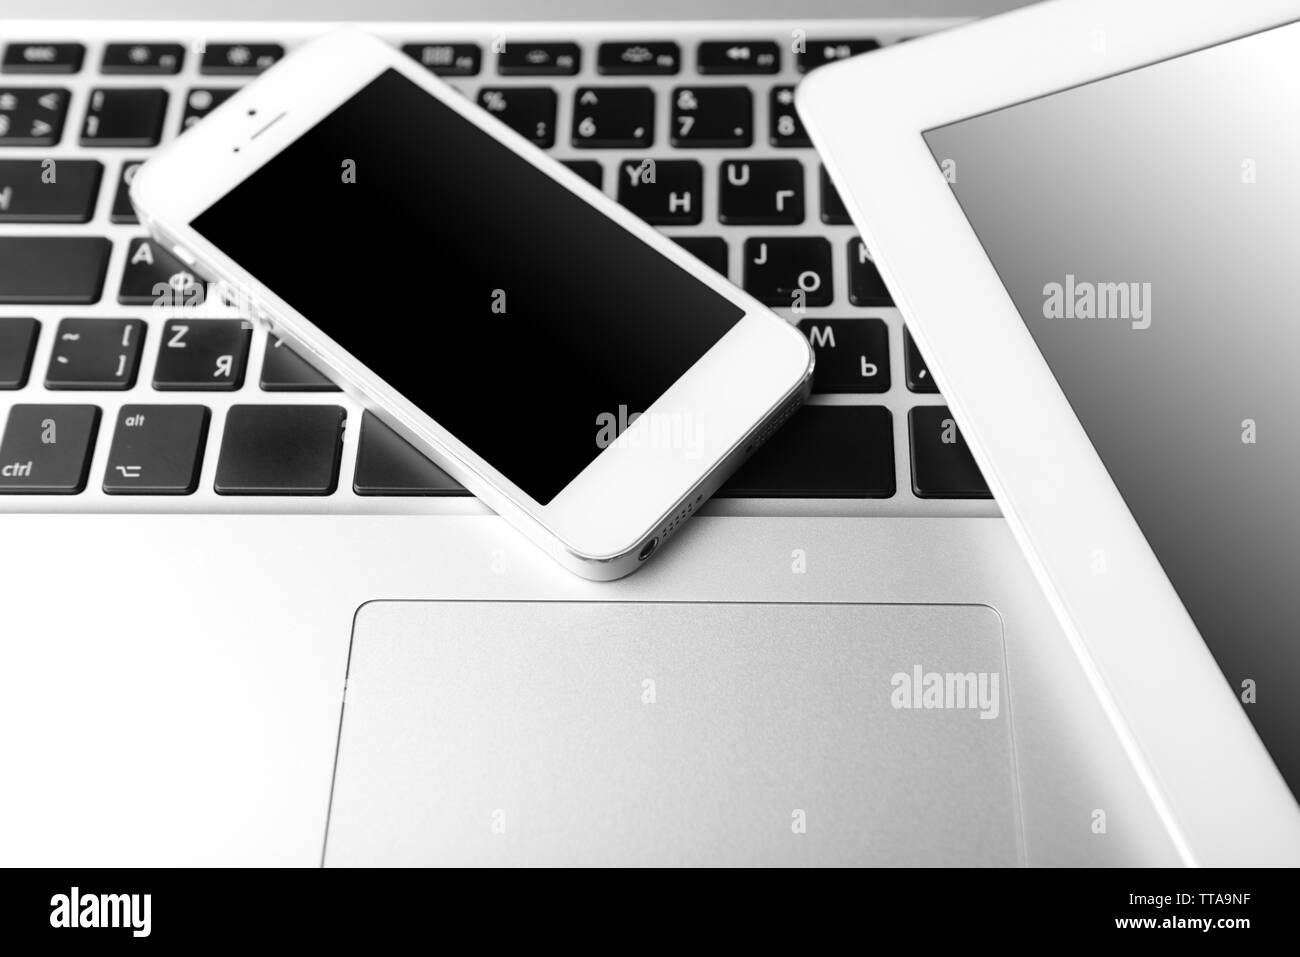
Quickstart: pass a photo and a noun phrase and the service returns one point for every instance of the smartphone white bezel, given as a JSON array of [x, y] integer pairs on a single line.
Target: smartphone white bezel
[[599, 522], [1209, 775]]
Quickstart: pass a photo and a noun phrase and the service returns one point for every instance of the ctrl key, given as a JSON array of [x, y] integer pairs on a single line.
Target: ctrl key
[[46, 449]]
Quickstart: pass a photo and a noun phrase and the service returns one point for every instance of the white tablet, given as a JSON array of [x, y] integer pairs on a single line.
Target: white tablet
[[1088, 213]]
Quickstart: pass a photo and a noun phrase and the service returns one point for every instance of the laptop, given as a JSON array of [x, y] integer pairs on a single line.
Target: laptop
[[843, 659]]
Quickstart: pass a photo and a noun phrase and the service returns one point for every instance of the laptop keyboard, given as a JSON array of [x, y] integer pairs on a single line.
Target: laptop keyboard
[[106, 398]]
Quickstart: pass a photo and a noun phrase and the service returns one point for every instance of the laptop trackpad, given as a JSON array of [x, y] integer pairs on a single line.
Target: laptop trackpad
[[662, 733]]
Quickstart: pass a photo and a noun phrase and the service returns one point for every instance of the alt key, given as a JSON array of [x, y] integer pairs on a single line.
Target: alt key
[[157, 450]]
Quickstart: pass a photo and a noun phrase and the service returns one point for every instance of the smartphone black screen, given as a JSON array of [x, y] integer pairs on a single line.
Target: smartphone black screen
[[509, 309]]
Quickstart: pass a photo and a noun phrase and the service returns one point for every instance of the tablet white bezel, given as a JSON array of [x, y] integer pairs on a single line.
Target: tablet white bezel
[[1209, 775]]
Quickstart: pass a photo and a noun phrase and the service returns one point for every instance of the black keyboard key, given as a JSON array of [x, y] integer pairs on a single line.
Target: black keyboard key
[[824, 451], [760, 193], [660, 58], [712, 250], [662, 192], [613, 117], [156, 450], [852, 354], [389, 465], [52, 270], [529, 111], [17, 344], [48, 190], [239, 59], [521, 58], [143, 59], [590, 170], [789, 271], [153, 276], [46, 449], [918, 373], [43, 58], [120, 117], [95, 354], [123, 212], [280, 450], [737, 57], [202, 355], [283, 370], [32, 116], [866, 288], [834, 212], [447, 59], [785, 127], [200, 101], [715, 116], [942, 466], [820, 52]]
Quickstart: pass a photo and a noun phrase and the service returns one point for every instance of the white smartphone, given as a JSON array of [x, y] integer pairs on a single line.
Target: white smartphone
[[489, 304]]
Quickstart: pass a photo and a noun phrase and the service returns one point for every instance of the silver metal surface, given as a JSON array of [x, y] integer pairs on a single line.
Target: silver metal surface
[[599, 733], [175, 681]]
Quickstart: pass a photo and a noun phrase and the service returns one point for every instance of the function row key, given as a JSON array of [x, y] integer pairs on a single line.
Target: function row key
[[239, 59], [625, 58], [447, 59], [652, 58], [42, 58], [738, 57], [524, 58], [142, 59], [815, 53]]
